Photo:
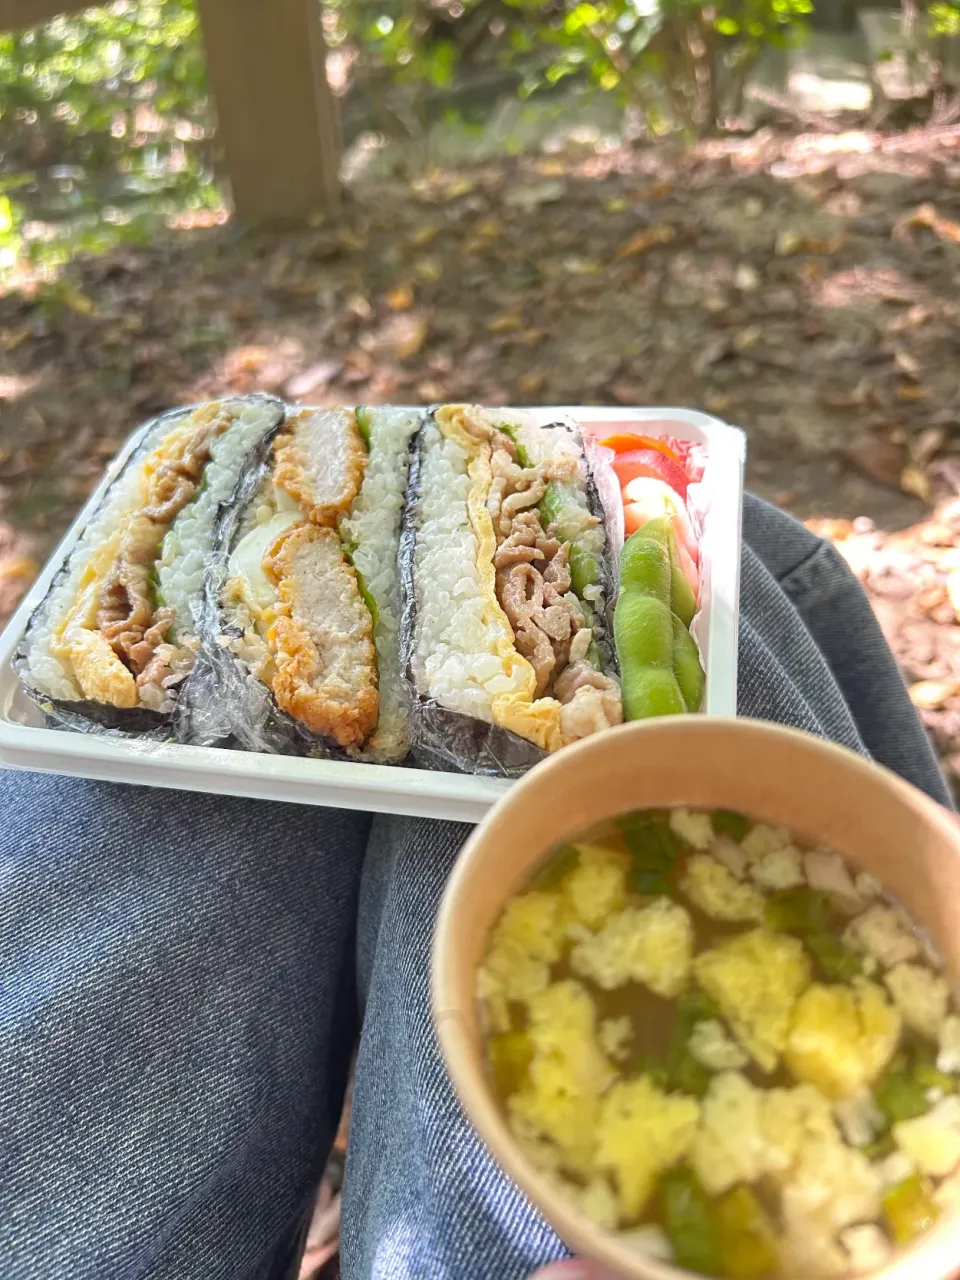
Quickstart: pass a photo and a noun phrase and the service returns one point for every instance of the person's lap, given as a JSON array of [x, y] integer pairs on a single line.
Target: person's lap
[[177, 994]]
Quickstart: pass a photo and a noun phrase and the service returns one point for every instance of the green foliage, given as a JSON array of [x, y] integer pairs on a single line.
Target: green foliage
[[105, 126], [944, 19], [683, 61]]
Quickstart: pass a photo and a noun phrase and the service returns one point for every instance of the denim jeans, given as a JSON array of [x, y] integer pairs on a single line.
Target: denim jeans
[[183, 977]]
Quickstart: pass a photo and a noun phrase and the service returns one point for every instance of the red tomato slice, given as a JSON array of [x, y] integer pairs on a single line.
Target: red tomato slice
[[651, 463], [629, 442]]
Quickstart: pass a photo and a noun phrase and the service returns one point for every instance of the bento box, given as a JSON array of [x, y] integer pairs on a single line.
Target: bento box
[[258, 599]]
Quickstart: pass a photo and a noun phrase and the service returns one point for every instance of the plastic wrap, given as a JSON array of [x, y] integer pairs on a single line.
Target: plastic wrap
[[83, 714], [451, 740], [227, 704], [230, 701]]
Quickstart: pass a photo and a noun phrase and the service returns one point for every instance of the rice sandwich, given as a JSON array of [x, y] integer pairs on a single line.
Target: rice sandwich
[[309, 603], [119, 631], [507, 589]]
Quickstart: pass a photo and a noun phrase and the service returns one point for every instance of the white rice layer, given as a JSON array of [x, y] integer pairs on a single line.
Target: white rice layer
[[185, 553], [455, 642], [49, 673], [373, 526]]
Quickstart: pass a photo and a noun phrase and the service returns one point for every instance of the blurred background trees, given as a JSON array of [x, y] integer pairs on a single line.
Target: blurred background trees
[[106, 123]]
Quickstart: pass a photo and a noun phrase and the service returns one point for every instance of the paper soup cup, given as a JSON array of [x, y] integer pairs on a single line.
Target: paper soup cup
[[881, 823]]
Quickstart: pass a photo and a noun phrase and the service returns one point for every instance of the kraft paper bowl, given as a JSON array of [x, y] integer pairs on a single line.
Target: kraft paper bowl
[[881, 823]]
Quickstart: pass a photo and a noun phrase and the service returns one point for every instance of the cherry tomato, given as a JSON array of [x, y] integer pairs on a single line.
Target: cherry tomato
[[651, 463], [629, 442]]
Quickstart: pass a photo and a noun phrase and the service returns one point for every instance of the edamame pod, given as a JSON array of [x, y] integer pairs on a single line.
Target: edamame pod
[[643, 628], [686, 666], [659, 660], [682, 600]]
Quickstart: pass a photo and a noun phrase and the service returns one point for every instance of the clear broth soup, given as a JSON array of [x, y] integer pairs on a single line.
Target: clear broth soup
[[726, 1044]]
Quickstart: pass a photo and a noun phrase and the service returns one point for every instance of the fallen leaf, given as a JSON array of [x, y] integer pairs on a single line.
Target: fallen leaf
[[925, 447], [488, 228], [531, 384], [644, 239], [907, 363], [789, 243], [577, 266], [351, 239], [876, 456], [406, 335], [926, 216], [627, 393], [424, 234], [932, 598], [713, 349], [24, 568], [927, 695], [616, 204], [914, 480], [359, 306], [532, 195], [400, 298], [506, 322], [318, 375], [529, 337], [428, 269], [461, 186], [431, 392], [748, 337], [76, 300]]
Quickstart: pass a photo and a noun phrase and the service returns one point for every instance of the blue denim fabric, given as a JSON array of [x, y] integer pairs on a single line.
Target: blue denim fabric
[[177, 995]]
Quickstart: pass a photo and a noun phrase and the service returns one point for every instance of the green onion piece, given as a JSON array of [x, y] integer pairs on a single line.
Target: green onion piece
[[684, 1072], [511, 1053], [900, 1096], [926, 1074], [909, 1209], [695, 1006], [688, 1222], [686, 1075], [510, 431], [556, 868], [653, 850], [368, 599], [648, 1065], [801, 911], [153, 582], [727, 822], [745, 1236], [837, 961], [584, 568], [880, 1147], [363, 423]]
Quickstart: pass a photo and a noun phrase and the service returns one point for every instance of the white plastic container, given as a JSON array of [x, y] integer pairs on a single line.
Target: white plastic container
[[26, 743]]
